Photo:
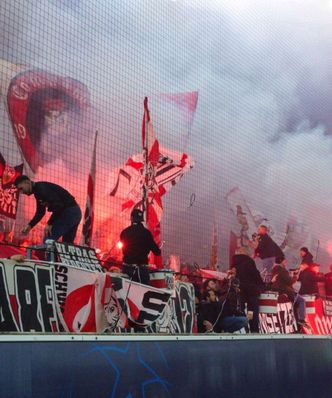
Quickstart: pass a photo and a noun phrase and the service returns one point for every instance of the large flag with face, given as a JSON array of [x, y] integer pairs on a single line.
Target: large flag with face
[[89, 210], [8, 192], [41, 106]]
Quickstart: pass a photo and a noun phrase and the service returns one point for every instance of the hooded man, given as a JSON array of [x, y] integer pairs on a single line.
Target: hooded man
[[137, 243]]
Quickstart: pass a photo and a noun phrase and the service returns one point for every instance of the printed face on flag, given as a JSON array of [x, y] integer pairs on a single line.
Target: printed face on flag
[[41, 106]]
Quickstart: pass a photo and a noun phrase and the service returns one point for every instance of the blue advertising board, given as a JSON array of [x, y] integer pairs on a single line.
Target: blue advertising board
[[163, 367]]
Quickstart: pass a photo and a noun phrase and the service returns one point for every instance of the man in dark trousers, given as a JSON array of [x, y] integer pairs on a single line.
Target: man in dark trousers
[[137, 243], [282, 283], [233, 316], [251, 285], [66, 214], [267, 250]]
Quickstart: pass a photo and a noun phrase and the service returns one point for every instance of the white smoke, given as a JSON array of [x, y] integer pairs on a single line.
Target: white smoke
[[263, 120]]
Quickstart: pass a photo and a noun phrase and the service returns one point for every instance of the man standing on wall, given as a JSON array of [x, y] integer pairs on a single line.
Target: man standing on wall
[[267, 250], [66, 214], [137, 243]]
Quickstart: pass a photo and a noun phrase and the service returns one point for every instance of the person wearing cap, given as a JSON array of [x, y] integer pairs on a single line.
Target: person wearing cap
[[66, 214], [137, 243]]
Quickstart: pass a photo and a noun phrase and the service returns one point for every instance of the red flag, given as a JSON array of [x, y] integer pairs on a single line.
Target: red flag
[[149, 142], [89, 211], [152, 205], [8, 192], [212, 274], [214, 250], [186, 103]]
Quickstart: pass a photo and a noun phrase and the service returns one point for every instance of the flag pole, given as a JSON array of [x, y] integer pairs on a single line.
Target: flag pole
[[89, 207], [145, 144]]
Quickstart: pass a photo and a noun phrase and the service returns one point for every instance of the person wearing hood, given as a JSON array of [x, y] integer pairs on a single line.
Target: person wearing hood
[[137, 242], [306, 256]]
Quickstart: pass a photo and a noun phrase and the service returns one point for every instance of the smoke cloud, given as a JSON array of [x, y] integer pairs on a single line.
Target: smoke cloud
[[263, 120]]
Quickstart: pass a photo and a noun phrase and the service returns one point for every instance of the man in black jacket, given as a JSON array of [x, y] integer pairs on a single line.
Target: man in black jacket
[[233, 316], [282, 283], [137, 243], [251, 285], [309, 278], [209, 313], [267, 250], [66, 214]]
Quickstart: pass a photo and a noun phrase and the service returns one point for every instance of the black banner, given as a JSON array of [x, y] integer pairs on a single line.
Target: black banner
[[78, 256]]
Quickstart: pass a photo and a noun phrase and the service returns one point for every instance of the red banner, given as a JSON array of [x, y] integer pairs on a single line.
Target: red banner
[[8, 192]]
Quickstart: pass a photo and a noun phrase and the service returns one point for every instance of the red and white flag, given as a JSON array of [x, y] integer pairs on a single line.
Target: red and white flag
[[156, 171], [149, 142], [89, 210], [126, 181], [186, 103], [245, 220], [233, 246], [8, 192], [214, 249], [152, 205], [145, 304], [211, 274]]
